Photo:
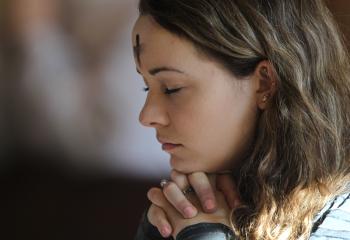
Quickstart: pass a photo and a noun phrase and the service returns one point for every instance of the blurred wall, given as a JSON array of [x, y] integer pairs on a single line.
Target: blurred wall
[[73, 88]]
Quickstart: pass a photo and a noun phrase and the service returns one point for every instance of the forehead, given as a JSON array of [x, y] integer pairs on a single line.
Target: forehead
[[145, 26], [158, 43]]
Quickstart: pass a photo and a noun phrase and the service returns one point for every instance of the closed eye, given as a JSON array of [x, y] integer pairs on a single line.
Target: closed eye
[[171, 91], [146, 89], [167, 91]]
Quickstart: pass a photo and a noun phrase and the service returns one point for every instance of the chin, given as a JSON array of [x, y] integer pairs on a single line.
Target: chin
[[181, 165], [187, 167]]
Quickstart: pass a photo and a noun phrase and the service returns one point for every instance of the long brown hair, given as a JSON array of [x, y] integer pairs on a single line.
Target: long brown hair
[[300, 157]]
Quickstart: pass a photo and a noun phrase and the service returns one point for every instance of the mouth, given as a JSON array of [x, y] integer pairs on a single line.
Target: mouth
[[168, 146]]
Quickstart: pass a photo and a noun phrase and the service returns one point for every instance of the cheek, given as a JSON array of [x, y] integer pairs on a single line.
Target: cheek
[[217, 132], [217, 119]]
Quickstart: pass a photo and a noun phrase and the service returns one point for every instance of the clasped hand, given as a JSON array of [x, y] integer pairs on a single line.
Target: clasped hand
[[213, 199]]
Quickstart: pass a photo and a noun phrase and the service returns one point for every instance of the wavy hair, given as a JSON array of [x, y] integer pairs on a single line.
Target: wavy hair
[[300, 156]]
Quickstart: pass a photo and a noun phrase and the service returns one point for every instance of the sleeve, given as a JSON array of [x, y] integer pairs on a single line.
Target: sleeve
[[334, 223], [200, 231], [206, 231]]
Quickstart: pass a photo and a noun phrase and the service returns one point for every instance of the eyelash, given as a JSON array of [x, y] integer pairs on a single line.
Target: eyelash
[[146, 89], [167, 91]]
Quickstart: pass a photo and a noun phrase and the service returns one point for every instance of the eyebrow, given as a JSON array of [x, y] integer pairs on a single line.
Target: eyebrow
[[155, 71]]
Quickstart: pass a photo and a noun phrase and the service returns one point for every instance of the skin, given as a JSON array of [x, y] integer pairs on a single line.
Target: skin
[[211, 116], [166, 211]]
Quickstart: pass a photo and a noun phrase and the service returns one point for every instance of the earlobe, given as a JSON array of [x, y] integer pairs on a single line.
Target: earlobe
[[266, 77], [265, 97]]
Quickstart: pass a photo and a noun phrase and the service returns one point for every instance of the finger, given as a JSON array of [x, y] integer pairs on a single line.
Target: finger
[[176, 197], [204, 190], [180, 179], [157, 217], [156, 196], [226, 185], [212, 180]]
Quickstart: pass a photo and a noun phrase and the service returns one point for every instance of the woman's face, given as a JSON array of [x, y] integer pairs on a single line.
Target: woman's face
[[204, 117]]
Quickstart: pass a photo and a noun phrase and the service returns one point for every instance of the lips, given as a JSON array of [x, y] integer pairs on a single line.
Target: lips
[[168, 145], [165, 141]]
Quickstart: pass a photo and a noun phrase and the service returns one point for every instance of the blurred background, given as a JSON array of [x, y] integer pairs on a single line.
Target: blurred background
[[74, 161]]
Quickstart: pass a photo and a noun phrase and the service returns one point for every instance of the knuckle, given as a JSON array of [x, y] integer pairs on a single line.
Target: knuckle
[[169, 187], [151, 211], [152, 193], [180, 179], [174, 175], [155, 215], [151, 214], [196, 175]]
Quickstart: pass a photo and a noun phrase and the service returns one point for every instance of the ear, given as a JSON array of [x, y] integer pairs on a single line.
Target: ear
[[266, 83]]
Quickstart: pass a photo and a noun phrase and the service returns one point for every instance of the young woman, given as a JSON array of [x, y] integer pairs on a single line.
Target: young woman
[[250, 98]]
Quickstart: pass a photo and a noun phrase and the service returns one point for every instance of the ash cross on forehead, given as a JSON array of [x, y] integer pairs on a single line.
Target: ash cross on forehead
[[137, 49]]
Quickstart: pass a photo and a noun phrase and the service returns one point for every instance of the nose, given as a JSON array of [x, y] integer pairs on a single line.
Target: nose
[[154, 113]]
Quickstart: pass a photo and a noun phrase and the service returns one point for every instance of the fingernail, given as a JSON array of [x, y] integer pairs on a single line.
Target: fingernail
[[189, 212], [209, 204], [165, 231]]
